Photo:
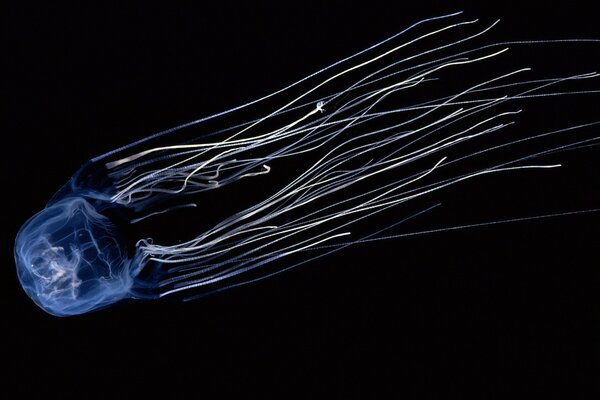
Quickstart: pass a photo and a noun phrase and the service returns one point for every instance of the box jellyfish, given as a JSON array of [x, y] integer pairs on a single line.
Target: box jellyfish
[[416, 113]]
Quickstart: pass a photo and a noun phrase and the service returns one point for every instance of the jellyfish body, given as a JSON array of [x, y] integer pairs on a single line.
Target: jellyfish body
[[364, 148], [70, 259]]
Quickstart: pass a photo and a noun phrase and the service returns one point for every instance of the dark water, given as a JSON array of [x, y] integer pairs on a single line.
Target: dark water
[[492, 311]]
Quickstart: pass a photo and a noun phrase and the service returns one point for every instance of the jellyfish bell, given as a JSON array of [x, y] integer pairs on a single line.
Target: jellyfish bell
[[71, 259]]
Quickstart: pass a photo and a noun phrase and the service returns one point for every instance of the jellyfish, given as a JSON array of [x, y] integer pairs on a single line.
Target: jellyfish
[[408, 116]]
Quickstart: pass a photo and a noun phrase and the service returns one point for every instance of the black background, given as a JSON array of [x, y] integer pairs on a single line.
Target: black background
[[491, 311]]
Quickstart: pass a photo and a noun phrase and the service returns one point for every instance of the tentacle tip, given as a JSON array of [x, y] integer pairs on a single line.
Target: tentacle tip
[[320, 105]]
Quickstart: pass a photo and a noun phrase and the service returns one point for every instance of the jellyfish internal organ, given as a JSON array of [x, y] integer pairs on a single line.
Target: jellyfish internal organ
[[351, 141]]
